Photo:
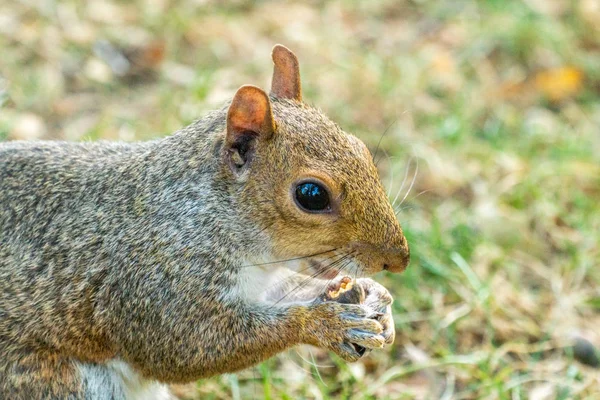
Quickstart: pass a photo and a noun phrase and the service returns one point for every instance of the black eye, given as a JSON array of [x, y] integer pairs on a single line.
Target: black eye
[[312, 197]]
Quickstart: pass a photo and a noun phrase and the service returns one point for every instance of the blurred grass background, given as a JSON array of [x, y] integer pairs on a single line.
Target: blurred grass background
[[490, 107]]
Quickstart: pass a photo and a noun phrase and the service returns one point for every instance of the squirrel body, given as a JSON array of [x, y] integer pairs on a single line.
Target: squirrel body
[[126, 267]]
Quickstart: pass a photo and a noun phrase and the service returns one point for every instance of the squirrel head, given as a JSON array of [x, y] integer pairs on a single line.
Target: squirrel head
[[311, 187]]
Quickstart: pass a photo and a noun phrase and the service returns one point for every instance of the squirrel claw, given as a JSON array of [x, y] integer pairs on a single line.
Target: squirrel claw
[[360, 349], [348, 351], [365, 339]]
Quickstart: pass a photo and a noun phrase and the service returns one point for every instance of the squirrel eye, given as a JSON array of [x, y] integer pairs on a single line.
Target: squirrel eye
[[312, 197]]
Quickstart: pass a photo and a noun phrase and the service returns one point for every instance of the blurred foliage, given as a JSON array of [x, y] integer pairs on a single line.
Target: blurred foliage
[[488, 116]]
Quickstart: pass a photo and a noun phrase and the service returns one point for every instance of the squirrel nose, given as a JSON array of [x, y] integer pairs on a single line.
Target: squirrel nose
[[396, 259]]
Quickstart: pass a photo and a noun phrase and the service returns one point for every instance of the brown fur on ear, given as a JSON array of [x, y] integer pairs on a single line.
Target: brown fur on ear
[[249, 113], [286, 74]]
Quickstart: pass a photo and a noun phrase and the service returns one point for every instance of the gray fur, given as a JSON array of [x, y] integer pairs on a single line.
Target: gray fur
[[132, 252]]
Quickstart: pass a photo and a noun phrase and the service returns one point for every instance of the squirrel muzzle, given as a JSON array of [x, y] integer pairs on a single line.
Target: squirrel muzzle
[[395, 260], [377, 258]]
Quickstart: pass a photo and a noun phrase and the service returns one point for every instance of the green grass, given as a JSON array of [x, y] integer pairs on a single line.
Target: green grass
[[503, 217]]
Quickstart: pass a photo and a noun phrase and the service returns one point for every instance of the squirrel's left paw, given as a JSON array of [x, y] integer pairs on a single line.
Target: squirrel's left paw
[[379, 299], [367, 292], [346, 329]]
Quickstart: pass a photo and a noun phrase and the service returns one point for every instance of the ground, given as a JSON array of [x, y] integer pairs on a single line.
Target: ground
[[487, 117]]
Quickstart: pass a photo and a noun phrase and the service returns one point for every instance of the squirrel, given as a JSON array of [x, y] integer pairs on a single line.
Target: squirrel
[[126, 267]]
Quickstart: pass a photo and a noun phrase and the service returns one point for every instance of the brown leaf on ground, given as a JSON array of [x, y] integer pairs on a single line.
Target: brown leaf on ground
[[560, 83]]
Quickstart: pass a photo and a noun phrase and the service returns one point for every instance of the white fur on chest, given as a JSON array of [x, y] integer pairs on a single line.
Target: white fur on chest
[[137, 387], [255, 283], [117, 380]]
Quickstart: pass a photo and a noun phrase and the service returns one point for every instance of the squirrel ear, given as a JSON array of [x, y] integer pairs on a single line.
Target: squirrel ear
[[249, 117], [249, 114], [286, 74]]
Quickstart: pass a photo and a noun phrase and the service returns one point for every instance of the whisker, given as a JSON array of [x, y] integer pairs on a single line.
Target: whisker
[[310, 266], [328, 282], [265, 228], [288, 260], [327, 269], [412, 183], [311, 277], [348, 262], [408, 207], [375, 160], [354, 274], [403, 181], [390, 183], [283, 281]]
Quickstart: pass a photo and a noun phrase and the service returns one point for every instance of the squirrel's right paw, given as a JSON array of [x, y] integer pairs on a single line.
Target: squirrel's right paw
[[345, 329]]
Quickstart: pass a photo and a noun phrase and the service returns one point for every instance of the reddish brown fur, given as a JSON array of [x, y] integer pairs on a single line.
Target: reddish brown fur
[[286, 74]]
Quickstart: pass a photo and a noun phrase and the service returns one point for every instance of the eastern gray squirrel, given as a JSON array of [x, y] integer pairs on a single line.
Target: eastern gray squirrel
[[128, 266]]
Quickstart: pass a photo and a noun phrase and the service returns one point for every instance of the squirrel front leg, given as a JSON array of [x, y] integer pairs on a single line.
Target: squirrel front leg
[[238, 335]]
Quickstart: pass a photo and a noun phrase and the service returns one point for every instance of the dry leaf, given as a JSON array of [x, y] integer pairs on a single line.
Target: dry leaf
[[559, 83]]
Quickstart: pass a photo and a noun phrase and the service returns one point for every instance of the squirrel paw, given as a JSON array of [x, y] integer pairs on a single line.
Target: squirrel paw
[[346, 329], [379, 300], [369, 293]]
